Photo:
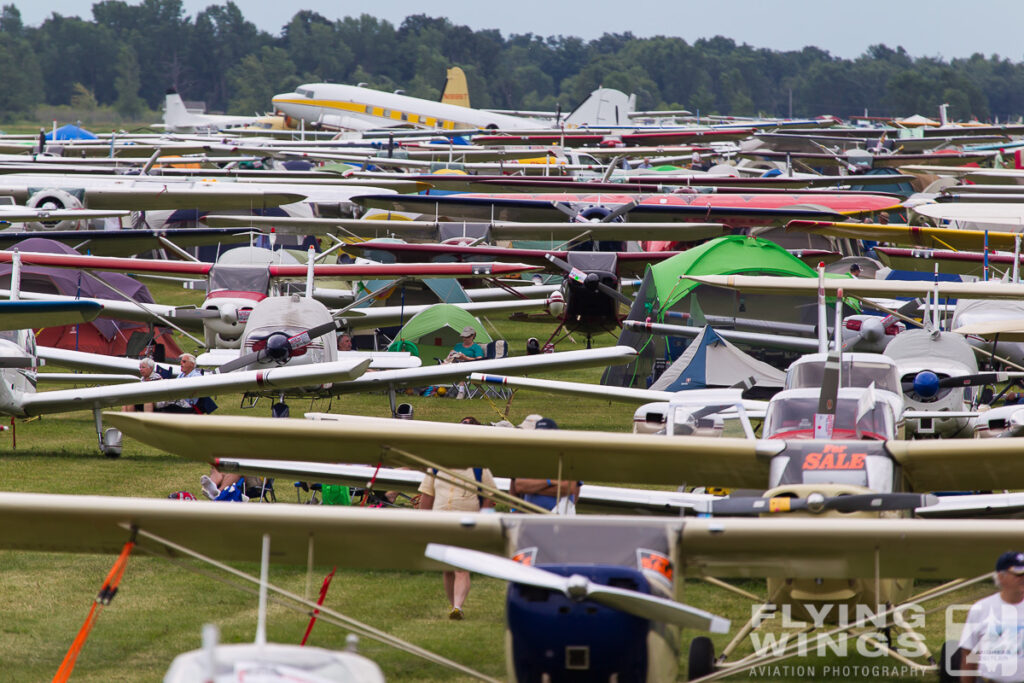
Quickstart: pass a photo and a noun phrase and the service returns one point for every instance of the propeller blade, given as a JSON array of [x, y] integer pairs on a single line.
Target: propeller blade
[[614, 293], [496, 567], [240, 362], [621, 211], [830, 383], [563, 265], [578, 587], [312, 333], [565, 208], [979, 379], [652, 607], [870, 502]]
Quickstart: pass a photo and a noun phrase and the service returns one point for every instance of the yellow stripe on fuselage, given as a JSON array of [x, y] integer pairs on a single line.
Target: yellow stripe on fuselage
[[378, 112]]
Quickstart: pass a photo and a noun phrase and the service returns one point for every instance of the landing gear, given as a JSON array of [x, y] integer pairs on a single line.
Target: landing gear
[[701, 660], [109, 439]]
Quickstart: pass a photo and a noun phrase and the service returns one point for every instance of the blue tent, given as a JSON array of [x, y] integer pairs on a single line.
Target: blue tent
[[70, 132], [711, 361]]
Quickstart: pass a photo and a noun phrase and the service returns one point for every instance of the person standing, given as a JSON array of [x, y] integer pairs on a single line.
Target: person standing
[[992, 642], [440, 493]]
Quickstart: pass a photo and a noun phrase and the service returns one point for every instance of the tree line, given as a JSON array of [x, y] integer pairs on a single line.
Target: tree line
[[127, 55]]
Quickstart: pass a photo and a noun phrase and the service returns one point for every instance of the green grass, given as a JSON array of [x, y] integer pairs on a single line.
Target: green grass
[[161, 608]]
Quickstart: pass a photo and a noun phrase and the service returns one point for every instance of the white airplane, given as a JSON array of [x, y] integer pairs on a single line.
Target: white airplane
[[178, 119], [351, 107]]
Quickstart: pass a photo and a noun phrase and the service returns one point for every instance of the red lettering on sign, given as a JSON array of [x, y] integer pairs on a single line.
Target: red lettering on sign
[[834, 457]]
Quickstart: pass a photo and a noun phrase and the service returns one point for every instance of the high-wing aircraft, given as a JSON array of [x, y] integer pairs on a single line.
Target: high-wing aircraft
[[800, 467], [733, 210], [241, 279], [488, 232], [910, 235]]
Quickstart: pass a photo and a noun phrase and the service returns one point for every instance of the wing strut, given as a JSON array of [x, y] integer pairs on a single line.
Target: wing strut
[[305, 606]]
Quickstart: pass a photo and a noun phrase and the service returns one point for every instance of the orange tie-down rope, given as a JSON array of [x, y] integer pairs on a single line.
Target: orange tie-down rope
[[103, 598]]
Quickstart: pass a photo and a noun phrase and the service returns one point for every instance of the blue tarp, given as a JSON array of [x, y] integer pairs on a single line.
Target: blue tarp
[[70, 132]]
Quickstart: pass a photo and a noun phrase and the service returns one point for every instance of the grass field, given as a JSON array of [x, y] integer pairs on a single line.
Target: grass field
[[160, 608]]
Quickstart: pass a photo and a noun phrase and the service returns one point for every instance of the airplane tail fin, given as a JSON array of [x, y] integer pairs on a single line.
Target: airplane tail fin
[[456, 91], [604, 107], [175, 114]]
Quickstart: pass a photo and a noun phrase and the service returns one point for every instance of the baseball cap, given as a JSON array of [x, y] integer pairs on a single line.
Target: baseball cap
[[1012, 562], [468, 331]]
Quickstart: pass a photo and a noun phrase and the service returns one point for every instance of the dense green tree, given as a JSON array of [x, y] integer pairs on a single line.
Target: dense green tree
[[221, 57]]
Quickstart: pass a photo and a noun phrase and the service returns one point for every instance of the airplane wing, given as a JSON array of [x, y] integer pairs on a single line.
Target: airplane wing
[[428, 230], [102, 524], [191, 387], [22, 214], [552, 454], [385, 316], [726, 547], [862, 287], [23, 315], [774, 341], [960, 465], [910, 235], [129, 242], [92, 362], [1006, 214], [704, 397], [108, 263], [451, 372], [359, 271], [379, 360], [121, 309], [842, 548], [593, 498], [524, 209]]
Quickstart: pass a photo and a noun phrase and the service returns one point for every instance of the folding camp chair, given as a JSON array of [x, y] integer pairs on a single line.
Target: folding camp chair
[[495, 349]]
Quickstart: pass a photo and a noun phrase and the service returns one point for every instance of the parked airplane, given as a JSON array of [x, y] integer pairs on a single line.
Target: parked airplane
[[178, 119], [332, 105], [243, 277], [801, 468]]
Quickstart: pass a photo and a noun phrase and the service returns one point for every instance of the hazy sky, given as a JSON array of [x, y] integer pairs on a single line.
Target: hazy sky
[[939, 28]]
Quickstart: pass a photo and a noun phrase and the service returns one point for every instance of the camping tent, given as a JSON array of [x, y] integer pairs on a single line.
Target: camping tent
[[70, 132], [435, 331], [710, 361], [111, 337], [665, 296]]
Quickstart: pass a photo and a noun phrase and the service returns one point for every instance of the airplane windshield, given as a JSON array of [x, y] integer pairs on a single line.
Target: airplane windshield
[[797, 415], [859, 374], [9, 335]]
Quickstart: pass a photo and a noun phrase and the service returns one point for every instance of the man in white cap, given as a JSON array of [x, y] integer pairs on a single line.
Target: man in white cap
[[991, 645]]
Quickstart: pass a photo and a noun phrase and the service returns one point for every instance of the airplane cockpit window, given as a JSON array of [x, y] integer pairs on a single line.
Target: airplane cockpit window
[[9, 335], [854, 374], [305, 92], [794, 417], [586, 160]]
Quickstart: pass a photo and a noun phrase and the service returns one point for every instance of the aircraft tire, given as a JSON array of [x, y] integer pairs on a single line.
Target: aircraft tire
[[53, 198], [946, 674], [701, 659]]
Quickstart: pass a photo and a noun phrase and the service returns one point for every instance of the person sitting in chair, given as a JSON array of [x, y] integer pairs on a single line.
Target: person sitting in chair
[[467, 348]]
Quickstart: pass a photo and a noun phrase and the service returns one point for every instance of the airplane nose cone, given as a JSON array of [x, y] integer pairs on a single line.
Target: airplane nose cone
[[278, 348], [926, 384]]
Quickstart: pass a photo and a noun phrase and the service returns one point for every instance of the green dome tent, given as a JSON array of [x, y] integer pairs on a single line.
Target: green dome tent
[[665, 298], [435, 331]]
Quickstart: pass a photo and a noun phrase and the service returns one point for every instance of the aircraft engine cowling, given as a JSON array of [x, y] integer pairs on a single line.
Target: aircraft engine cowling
[[595, 214], [556, 304], [54, 199]]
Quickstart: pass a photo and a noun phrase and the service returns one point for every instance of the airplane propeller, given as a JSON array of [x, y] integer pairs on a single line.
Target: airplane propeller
[[817, 503], [596, 214], [589, 280], [578, 588], [278, 347], [926, 384]]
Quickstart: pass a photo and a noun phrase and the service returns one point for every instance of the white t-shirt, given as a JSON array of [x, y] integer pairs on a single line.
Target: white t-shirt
[[994, 634]]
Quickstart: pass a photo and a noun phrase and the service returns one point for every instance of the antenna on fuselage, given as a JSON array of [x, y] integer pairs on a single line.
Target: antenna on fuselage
[[822, 315]]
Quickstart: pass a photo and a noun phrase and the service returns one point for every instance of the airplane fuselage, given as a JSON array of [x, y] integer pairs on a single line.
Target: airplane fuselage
[[348, 106]]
